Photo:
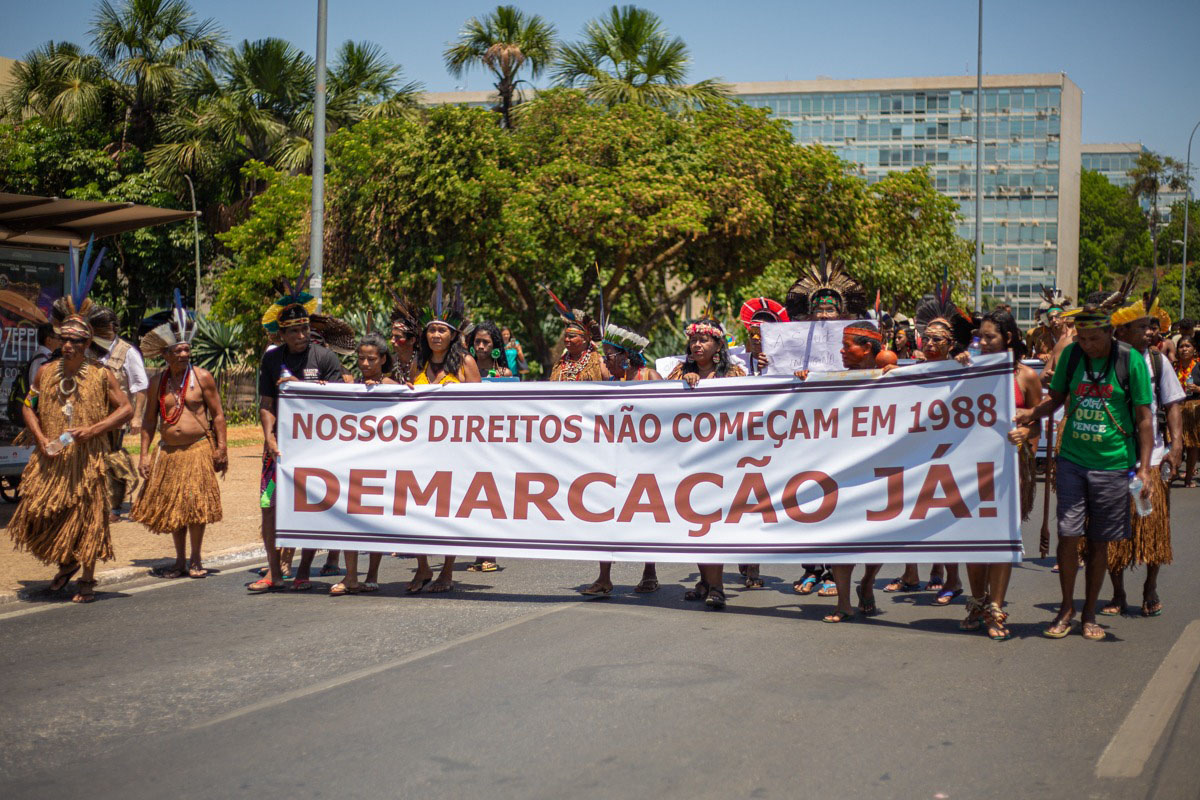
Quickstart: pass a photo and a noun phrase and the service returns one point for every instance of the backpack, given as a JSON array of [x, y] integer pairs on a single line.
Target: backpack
[[1121, 353], [19, 390]]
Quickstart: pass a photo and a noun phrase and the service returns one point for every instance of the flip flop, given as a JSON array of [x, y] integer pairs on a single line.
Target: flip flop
[[65, 577], [169, 573], [301, 586], [805, 585], [1093, 636], [329, 570], [197, 572], [366, 587], [837, 616], [484, 566], [438, 587], [866, 610], [596, 590], [1112, 610], [410, 589], [340, 589], [646, 585], [1155, 609], [901, 586], [262, 586], [824, 589], [1059, 629], [946, 596]]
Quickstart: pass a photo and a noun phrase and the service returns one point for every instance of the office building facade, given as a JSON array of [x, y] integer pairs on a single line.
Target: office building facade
[[1114, 160], [1031, 136]]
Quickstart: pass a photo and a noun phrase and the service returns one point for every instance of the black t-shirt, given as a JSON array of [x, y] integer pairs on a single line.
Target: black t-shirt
[[314, 364]]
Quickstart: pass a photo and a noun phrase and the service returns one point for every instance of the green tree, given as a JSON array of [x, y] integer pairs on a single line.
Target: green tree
[[627, 56], [505, 41], [1153, 173], [1113, 238]]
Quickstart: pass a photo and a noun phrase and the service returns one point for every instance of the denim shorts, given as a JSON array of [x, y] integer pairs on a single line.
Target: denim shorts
[[1092, 502]]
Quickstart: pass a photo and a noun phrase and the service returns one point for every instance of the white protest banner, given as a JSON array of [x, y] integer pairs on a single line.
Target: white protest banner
[[815, 346], [912, 466]]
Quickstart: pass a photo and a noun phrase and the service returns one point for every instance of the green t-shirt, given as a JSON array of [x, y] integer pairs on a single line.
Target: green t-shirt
[[1094, 404]]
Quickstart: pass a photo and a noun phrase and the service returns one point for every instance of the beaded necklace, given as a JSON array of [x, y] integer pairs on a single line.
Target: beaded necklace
[[177, 412]]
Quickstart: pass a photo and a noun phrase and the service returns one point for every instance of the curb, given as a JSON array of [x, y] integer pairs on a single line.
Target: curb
[[222, 558]]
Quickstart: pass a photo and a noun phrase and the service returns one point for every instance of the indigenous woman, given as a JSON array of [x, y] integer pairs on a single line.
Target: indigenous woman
[[707, 357], [441, 359], [903, 344], [998, 333], [375, 367], [513, 353], [945, 333], [1186, 370], [623, 356], [63, 514], [404, 339], [180, 495], [485, 346], [581, 359]]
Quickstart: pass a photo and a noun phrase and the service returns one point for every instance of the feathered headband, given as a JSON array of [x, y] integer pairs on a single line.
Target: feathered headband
[[179, 329], [291, 295], [576, 319], [762, 309], [1100, 315], [402, 312], [1053, 299], [624, 339], [938, 310], [452, 314], [75, 305], [1146, 306], [826, 283]]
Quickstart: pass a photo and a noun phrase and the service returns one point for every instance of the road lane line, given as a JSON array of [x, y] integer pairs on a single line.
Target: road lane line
[[1134, 742], [350, 677]]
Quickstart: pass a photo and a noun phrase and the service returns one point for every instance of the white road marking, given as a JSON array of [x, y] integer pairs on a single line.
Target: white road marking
[[50, 606], [1134, 742], [349, 677]]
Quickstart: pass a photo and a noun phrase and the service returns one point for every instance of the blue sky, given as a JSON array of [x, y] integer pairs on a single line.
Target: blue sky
[[1137, 63]]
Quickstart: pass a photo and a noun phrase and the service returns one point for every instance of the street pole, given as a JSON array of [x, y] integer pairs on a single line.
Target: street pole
[[196, 238], [1187, 203], [979, 168], [317, 240]]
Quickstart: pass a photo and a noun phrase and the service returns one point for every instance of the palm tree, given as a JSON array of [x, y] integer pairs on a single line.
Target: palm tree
[[628, 57], [1151, 174], [505, 42], [58, 82]]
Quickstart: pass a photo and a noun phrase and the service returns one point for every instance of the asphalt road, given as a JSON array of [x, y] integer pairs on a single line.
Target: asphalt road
[[514, 687]]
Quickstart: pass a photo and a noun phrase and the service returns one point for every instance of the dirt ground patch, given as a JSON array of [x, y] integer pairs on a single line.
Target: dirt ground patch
[[135, 546]]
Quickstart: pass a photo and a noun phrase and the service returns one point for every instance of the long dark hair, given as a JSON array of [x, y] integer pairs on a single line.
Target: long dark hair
[[455, 354], [1007, 326], [720, 359], [491, 330], [380, 344]]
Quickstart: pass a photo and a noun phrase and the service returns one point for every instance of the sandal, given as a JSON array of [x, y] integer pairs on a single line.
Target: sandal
[[65, 573], [1093, 632], [339, 589], [1058, 629], [697, 594], [440, 586], [935, 584], [597, 589], [169, 573], [946, 596], [483, 566], [366, 587], [995, 619], [1154, 609], [416, 585], [806, 584], [975, 614], [1114, 609], [837, 616], [86, 591], [898, 585], [867, 609], [301, 586], [327, 570], [751, 578], [197, 571], [715, 599], [827, 588], [263, 585], [646, 586]]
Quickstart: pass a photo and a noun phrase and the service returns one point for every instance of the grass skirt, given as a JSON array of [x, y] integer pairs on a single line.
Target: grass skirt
[[1151, 540], [1027, 477], [1191, 423], [63, 514], [182, 489]]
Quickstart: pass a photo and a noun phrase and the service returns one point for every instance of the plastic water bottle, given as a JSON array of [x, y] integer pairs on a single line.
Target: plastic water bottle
[[1167, 472], [56, 446], [974, 349], [1143, 506]]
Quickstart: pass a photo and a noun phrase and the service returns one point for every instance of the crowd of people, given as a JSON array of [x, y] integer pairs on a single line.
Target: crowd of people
[[1128, 392]]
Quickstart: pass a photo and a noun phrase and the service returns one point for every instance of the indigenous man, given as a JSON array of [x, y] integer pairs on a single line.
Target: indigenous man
[[181, 495], [581, 359], [63, 513], [127, 364], [824, 291], [298, 358], [1108, 431], [1151, 540], [625, 359]]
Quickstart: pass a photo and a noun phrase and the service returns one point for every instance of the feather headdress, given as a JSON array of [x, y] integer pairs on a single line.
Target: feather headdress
[[334, 333], [450, 312], [939, 310], [179, 329], [575, 318], [402, 312], [1100, 315], [81, 274], [1145, 306], [762, 309], [624, 339], [826, 283], [1053, 298], [290, 295]]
